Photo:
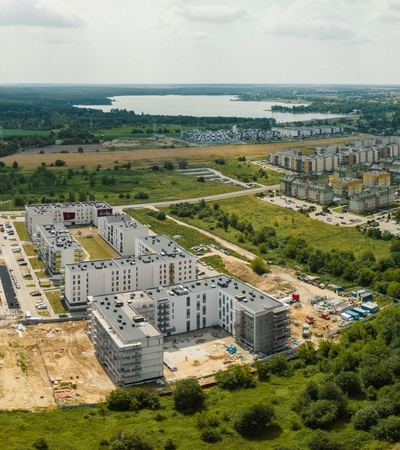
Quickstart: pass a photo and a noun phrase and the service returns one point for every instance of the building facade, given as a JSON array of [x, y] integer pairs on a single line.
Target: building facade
[[69, 214]]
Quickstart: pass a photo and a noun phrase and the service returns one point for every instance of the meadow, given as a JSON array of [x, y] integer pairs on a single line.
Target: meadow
[[92, 428]]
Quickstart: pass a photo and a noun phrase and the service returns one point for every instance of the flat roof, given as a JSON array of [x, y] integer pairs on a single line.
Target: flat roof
[[123, 319], [58, 236], [250, 297], [41, 208], [163, 245]]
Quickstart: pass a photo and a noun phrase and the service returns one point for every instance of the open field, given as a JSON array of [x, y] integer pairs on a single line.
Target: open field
[[286, 223], [148, 157], [61, 350], [55, 301], [18, 132]]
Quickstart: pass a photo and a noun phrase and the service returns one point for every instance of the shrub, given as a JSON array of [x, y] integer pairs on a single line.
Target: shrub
[[365, 418], [319, 414], [349, 382], [387, 429], [210, 435], [188, 395], [59, 162], [170, 445], [254, 419], [236, 377], [278, 365], [142, 195], [320, 440]]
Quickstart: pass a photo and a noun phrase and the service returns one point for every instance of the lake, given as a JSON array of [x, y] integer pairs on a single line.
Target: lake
[[203, 106]]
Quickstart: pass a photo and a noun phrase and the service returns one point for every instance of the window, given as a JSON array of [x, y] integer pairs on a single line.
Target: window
[[188, 314], [204, 310], [187, 301], [198, 306], [188, 325]]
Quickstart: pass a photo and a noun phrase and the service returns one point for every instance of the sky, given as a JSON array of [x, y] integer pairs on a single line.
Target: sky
[[200, 41]]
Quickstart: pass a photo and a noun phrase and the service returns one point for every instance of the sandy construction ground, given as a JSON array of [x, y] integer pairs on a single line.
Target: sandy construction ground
[[61, 350], [201, 354]]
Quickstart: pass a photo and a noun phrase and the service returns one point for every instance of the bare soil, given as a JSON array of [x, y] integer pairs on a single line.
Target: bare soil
[[62, 351]]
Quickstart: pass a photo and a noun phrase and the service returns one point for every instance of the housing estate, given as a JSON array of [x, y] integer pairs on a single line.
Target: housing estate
[[255, 319]]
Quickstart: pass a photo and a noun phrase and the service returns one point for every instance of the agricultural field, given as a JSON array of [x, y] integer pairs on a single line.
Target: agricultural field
[[18, 132]]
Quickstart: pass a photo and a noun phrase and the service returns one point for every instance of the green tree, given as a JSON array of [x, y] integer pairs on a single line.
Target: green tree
[[236, 377], [40, 444], [349, 383], [71, 196], [182, 163], [262, 371], [118, 400], [365, 418], [188, 395], [393, 289], [15, 165], [168, 165], [129, 440], [80, 150], [321, 440], [259, 266], [253, 420], [306, 353]]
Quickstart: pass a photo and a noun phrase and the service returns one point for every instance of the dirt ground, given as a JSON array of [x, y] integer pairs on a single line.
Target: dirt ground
[[151, 142], [201, 354], [27, 362], [280, 282]]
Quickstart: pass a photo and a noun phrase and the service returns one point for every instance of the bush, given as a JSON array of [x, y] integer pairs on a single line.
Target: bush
[[133, 399], [170, 445], [236, 377], [210, 435], [142, 195], [349, 383], [387, 429], [59, 162], [320, 440], [188, 395], [365, 418], [319, 414], [254, 419], [278, 365], [129, 440], [41, 444], [169, 166]]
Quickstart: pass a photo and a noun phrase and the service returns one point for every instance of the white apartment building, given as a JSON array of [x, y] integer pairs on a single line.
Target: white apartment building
[[120, 231], [255, 319], [172, 265], [130, 347], [57, 247], [69, 214]]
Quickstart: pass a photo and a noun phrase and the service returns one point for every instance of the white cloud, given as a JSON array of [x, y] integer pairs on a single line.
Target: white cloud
[[212, 14], [29, 13]]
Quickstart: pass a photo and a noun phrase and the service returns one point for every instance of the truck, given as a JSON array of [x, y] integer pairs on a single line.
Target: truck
[[295, 297], [309, 319], [28, 315], [306, 331], [325, 316]]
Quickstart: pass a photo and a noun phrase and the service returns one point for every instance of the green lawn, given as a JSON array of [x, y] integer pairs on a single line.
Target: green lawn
[[36, 264], [21, 230], [55, 301], [30, 249], [97, 248]]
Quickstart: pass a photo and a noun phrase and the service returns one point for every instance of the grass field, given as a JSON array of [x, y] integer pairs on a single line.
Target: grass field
[[36, 264], [30, 250], [21, 230], [96, 247], [290, 223], [55, 301], [90, 427]]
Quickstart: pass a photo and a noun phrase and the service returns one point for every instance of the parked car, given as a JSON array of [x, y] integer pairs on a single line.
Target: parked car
[[36, 294]]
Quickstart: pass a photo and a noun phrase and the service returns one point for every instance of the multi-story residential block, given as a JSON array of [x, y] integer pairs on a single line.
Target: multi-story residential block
[[346, 187], [69, 214], [376, 178], [120, 231], [172, 264], [313, 189], [127, 344], [57, 247], [255, 319], [370, 200]]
